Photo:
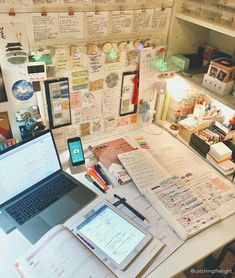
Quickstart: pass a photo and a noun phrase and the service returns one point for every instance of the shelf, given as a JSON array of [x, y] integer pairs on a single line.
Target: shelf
[[212, 25], [196, 80]]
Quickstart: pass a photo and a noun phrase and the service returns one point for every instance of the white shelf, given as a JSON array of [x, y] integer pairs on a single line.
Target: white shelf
[[212, 25], [196, 80]]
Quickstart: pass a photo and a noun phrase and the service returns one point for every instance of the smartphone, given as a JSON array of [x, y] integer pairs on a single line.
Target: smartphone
[[76, 151]]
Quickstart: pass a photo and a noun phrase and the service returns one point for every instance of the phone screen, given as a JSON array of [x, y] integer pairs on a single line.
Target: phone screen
[[76, 152]]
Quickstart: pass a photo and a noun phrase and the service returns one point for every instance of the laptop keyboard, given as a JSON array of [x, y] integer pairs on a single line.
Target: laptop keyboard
[[36, 202]]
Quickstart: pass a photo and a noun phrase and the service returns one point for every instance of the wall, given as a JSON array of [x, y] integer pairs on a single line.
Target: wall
[[96, 43]]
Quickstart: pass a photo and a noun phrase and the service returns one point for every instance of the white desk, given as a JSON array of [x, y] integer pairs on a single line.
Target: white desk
[[192, 251]]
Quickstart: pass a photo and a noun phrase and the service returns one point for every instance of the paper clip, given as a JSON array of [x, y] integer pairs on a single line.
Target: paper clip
[[43, 11], [12, 12], [71, 11]]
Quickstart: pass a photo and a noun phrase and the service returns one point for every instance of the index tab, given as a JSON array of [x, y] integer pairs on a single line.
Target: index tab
[[12, 12], [43, 11]]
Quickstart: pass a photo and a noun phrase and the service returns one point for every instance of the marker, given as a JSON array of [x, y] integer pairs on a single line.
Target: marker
[[123, 201], [95, 183]]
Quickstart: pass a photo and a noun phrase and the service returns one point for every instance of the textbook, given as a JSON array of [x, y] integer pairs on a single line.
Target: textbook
[[189, 203], [107, 155], [59, 253]]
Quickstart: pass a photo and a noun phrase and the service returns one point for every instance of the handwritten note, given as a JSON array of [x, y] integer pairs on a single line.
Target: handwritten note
[[121, 22], [71, 25], [142, 20], [97, 24], [142, 167], [45, 27]]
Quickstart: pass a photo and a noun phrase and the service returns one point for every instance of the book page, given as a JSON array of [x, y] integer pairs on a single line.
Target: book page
[[179, 204], [142, 167], [218, 193], [60, 254]]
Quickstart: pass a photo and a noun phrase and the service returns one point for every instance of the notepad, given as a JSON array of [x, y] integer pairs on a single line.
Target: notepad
[[220, 151]]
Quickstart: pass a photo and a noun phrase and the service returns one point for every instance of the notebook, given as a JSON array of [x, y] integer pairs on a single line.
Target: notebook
[[35, 193], [107, 155]]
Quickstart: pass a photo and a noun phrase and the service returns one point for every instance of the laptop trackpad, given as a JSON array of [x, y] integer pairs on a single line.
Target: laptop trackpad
[[58, 212]]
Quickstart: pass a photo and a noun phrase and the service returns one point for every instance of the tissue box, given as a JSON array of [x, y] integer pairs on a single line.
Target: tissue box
[[217, 86]]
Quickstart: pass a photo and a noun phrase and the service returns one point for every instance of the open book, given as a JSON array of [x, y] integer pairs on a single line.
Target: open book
[[59, 253], [107, 155], [189, 203]]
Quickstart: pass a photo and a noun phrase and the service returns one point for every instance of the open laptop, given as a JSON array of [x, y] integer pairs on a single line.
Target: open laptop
[[35, 193]]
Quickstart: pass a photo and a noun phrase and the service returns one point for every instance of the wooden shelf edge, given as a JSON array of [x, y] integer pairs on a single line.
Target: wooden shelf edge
[[207, 24]]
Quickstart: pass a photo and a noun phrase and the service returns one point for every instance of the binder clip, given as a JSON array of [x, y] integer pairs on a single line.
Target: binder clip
[[71, 11], [97, 10], [12, 12], [143, 9], [121, 9], [43, 11]]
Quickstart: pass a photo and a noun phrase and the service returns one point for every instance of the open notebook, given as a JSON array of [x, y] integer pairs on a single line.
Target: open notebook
[[189, 203]]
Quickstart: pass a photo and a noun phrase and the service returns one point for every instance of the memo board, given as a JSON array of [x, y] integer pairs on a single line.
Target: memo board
[[58, 102], [128, 86]]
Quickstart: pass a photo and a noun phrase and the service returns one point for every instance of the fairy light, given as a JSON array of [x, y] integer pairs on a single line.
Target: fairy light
[[112, 55], [37, 56]]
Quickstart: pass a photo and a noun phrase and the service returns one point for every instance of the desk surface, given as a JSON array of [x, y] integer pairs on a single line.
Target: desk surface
[[193, 250]]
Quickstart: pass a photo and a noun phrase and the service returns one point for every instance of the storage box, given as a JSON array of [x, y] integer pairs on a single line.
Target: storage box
[[199, 145], [222, 69], [217, 86]]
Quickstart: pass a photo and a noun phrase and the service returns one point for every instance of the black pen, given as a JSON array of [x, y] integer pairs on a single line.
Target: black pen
[[101, 172], [95, 183], [123, 201]]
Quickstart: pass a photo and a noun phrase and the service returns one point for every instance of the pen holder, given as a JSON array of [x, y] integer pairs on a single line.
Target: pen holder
[[77, 169]]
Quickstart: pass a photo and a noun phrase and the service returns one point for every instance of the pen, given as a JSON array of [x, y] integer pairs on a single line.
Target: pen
[[95, 183], [123, 201], [101, 172], [92, 173]]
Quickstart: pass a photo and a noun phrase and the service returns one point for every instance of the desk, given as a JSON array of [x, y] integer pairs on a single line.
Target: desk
[[192, 251]]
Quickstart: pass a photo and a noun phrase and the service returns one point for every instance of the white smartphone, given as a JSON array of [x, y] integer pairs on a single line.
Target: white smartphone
[[111, 235]]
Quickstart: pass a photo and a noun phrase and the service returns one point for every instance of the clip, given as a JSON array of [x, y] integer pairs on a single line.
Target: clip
[[143, 9], [71, 11], [97, 10], [12, 12], [163, 7], [43, 11], [121, 9]]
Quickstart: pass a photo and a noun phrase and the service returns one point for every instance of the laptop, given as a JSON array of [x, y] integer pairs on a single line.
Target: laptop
[[35, 193]]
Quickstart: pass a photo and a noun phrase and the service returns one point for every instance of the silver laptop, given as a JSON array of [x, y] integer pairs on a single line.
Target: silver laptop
[[35, 193]]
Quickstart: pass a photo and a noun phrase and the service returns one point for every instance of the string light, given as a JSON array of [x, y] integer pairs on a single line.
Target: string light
[[37, 56], [140, 47], [160, 65], [112, 55]]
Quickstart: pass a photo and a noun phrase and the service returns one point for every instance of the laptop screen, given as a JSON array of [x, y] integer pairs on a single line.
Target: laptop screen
[[27, 164]]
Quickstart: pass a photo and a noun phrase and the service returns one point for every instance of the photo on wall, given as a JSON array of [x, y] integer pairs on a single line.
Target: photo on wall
[[29, 121], [5, 128], [3, 94]]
